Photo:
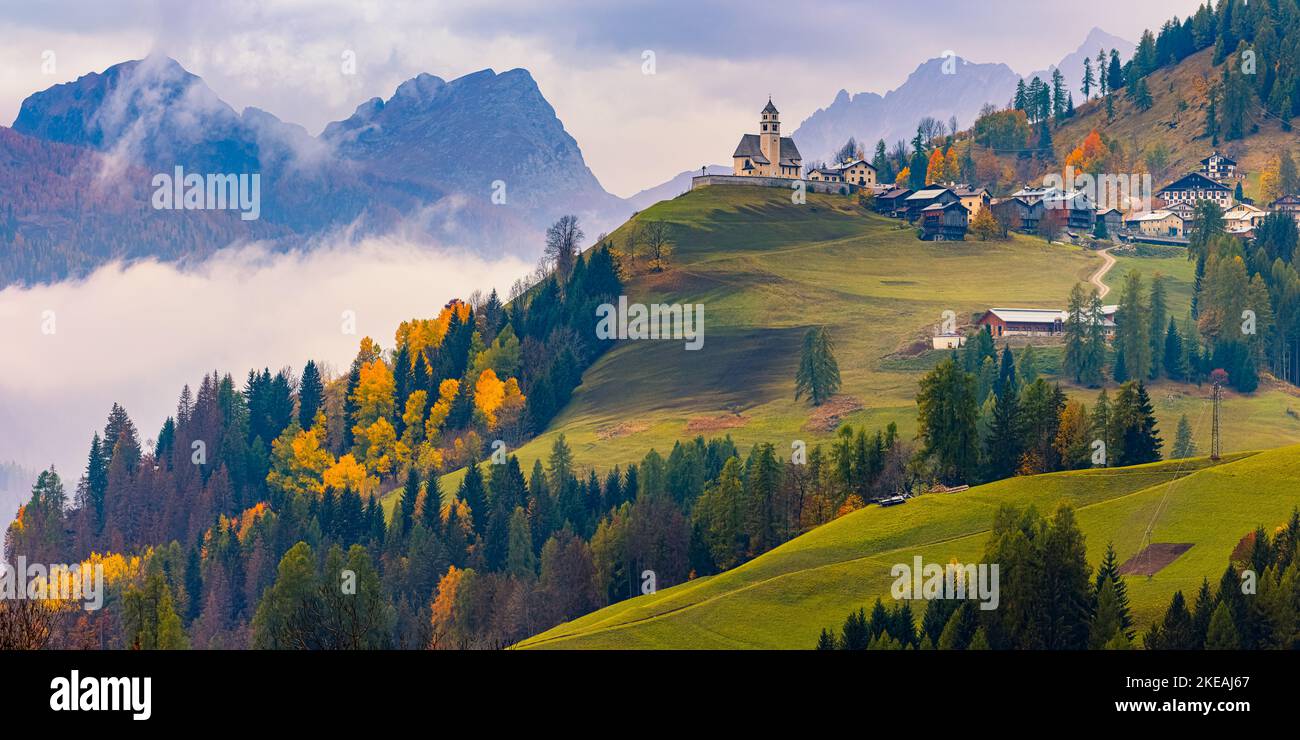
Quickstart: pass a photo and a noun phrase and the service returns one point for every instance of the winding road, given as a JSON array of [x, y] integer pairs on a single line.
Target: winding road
[[1102, 288]]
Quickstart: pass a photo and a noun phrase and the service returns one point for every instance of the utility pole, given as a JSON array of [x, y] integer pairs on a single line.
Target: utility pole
[[1218, 378]]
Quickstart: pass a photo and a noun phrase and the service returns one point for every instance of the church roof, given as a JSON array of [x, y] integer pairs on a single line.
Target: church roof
[[789, 152], [751, 147], [769, 108]]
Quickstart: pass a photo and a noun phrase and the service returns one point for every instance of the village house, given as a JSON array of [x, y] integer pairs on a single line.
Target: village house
[[858, 172], [1018, 213], [1218, 167], [1036, 322], [944, 222], [1081, 213], [1164, 224], [1242, 219], [767, 153], [1194, 187], [891, 202], [1030, 195], [926, 197], [1114, 220], [1288, 204], [974, 200]]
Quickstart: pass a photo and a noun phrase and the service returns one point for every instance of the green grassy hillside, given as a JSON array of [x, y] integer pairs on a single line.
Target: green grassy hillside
[[784, 598], [766, 269]]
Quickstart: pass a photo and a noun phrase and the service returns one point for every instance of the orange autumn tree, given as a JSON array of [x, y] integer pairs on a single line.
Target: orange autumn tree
[[1090, 157], [938, 169]]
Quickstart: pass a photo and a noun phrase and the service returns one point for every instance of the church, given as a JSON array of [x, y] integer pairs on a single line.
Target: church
[[767, 153]]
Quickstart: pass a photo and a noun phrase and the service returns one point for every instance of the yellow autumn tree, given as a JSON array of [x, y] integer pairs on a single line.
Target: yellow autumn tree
[[422, 334], [373, 400], [447, 391], [298, 462], [1270, 183], [349, 474], [413, 418], [901, 180], [382, 450], [489, 392]]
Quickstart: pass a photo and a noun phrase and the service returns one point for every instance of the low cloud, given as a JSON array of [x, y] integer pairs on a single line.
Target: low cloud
[[136, 334]]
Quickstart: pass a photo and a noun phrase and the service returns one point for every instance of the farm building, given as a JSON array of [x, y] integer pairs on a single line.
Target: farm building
[[944, 222], [891, 202], [930, 195], [1034, 322], [1113, 219]]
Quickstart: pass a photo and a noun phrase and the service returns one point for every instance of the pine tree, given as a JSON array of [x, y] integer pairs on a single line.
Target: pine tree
[[1088, 80], [819, 374]]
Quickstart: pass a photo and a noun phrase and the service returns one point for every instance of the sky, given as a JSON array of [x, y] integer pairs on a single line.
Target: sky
[[649, 88]]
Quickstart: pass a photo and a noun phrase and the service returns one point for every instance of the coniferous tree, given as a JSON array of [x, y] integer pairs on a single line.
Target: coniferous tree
[[1184, 444], [1108, 572], [819, 374], [1222, 632]]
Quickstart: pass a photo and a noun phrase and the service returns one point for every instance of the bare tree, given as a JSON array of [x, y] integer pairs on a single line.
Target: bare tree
[[657, 237], [931, 129], [563, 240], [25, 624], [631, 241]]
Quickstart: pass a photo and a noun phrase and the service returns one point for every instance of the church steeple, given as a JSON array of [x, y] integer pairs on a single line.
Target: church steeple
[[769, 132]]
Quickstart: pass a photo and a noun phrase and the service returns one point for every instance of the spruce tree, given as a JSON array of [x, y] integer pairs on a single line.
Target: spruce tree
[[819, 374], [406, 508], [1184, 444], [1108, 572]]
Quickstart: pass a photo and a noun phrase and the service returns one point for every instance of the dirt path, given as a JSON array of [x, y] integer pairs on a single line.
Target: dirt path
[[1102, 288]]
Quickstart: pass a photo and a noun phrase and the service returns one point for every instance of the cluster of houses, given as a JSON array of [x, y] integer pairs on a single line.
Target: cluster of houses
[[943, 211], [1170, 221]]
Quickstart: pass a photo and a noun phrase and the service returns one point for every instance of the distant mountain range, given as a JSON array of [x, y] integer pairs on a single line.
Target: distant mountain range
[[480, 162], [1072, 65], [939, 88]]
